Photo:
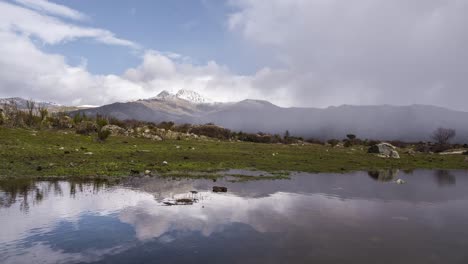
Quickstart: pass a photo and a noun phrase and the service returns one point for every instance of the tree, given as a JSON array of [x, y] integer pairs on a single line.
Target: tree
[[351, 136], [30, 105], [443, 135], [43, 112]]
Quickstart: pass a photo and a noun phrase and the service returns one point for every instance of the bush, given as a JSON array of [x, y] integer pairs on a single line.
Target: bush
[[86, 128], [184, 128], [165, 125], [211, 131], [440, 148], [103, 134], [315, 141], [101, 122], [116, 122], [333, 142], [348, 143]]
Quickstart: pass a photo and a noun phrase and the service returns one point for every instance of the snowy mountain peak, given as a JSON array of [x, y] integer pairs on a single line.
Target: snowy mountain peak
[[192, 96], [164, 95], [184, 94]]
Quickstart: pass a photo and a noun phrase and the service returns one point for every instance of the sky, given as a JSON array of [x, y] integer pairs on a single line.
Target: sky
[[305, 53]]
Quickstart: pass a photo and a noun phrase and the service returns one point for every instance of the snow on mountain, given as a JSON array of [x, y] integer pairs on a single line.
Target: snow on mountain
[[192, 96], [21, 102], [184, 94]]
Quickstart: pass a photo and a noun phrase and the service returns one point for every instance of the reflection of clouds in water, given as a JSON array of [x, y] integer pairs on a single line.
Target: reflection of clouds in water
[[44, 215], [276, 213], [41, 253]]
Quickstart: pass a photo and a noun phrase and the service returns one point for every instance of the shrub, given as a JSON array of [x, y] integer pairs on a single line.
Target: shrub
[[348, 143], [165, 125], [86, 128], [116, 122], [211, 131], [315, 141], [184, 128], [103, 134], [440, 148], [101, 121], [333, 142]]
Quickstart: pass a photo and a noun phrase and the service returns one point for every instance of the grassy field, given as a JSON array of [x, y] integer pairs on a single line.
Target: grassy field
[[27, 153]]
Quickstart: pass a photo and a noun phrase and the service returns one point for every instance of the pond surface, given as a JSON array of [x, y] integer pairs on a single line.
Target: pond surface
[[312, 218]]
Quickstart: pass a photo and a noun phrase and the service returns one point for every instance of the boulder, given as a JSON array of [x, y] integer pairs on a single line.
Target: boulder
[[400, 181], [384, 150], [219, 189], [115, 130]]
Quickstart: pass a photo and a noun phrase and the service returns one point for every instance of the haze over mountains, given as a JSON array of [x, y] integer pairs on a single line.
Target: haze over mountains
[[409, 123]]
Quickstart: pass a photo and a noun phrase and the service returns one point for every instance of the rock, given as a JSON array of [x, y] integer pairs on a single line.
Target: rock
[[65, 122], [147, 172], [219, 189], [165, 163], [400, 181], [88, 153], [384, 150], [61, 148], [115, 130]]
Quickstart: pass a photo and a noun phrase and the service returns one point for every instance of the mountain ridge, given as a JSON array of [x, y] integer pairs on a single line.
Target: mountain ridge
[[385, 122]]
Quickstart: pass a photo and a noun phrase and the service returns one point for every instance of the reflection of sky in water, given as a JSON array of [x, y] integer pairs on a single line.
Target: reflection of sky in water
[[328, 218]]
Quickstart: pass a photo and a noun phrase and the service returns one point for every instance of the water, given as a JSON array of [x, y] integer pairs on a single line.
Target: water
[[311, 218]]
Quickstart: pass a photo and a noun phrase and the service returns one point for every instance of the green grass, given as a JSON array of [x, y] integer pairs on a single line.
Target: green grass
[[39, 154]]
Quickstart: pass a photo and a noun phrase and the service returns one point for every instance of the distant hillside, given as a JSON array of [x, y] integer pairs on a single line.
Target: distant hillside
[[51, 106], [408, 123]]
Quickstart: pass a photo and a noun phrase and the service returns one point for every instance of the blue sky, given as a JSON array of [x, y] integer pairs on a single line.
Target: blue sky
[[195, 28], [307, 53]]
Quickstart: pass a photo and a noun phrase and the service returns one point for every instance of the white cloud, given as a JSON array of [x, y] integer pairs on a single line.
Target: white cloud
[[51, 30], [361, 52], [53, 9], [330, 52]]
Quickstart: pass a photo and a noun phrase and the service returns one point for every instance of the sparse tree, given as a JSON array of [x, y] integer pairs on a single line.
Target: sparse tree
[[443, 135], [43, 112], [351, 136], [30, 105]]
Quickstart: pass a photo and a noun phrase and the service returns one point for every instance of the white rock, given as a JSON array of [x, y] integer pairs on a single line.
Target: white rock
[[147, 172], [400, 181], [165, 163], [88, 153]]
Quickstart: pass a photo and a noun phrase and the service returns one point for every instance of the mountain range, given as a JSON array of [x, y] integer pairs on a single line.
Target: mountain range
[[385, 122]]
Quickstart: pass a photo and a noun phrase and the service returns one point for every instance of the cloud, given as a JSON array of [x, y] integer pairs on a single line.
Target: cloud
[[52, 30], [325, 52], [361, 52], [53, 9]]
